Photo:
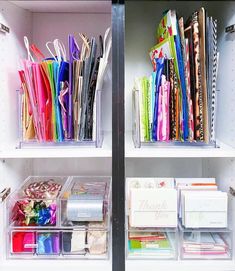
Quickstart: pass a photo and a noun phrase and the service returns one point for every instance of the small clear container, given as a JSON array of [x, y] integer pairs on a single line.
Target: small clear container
[[48, 243], [35, 204], [28, 244], [152, 243], [85, 244], [86, 203], [22, 242], [59, 244], [205, 244]]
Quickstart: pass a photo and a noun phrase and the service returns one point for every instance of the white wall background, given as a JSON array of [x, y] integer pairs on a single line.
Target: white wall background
[[12, 51]]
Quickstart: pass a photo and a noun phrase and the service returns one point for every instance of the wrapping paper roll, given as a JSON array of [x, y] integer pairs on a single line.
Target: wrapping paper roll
[[85, 208]]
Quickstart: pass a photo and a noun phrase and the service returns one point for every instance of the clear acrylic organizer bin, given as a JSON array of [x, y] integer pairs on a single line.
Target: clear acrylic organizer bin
[[58, 244], [35, 204], [84, 199], [136, 137], [152, 243], [86, 203], [205, 244], [156, 243], [85, 244], [97, 141], [28, 244]]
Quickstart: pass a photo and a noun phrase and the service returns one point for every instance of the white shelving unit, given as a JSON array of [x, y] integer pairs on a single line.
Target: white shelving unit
[[43, 21], [140, 37]]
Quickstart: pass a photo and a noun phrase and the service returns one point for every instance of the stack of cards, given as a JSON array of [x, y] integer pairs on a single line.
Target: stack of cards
[[156, 244], [204, 244]]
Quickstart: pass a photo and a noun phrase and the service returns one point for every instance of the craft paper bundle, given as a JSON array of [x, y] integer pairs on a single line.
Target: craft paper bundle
[[178, 101], [58, 101]]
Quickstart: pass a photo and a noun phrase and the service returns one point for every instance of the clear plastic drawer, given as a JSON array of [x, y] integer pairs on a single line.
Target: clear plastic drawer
[[86, 203], [205, 244], [36, 202], [156, 243]]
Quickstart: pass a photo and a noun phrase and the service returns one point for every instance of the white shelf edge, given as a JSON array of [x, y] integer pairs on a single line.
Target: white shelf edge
[[224, 151], [192, 265], [58, 265], [61, 152], [131, 265]]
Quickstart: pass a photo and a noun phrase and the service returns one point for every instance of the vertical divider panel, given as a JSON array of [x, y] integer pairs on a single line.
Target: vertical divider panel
[[118, 148]]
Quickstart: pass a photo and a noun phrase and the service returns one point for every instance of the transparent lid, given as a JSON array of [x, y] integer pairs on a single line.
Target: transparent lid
[[34, 203], [87, 188], [41, 188]]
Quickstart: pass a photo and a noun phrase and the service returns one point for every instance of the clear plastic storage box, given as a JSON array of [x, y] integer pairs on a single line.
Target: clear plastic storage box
[[72, 221], [149, 203], [205, 244], [40, 243], [36, 202], [87, 243], [58, 243], [86, 203], [138, 143], [152, 243], [97, 132]]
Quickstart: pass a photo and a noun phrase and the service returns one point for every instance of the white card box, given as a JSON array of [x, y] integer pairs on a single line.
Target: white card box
[[204, 209], [205, 244], [153, 207], [193, 184]]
